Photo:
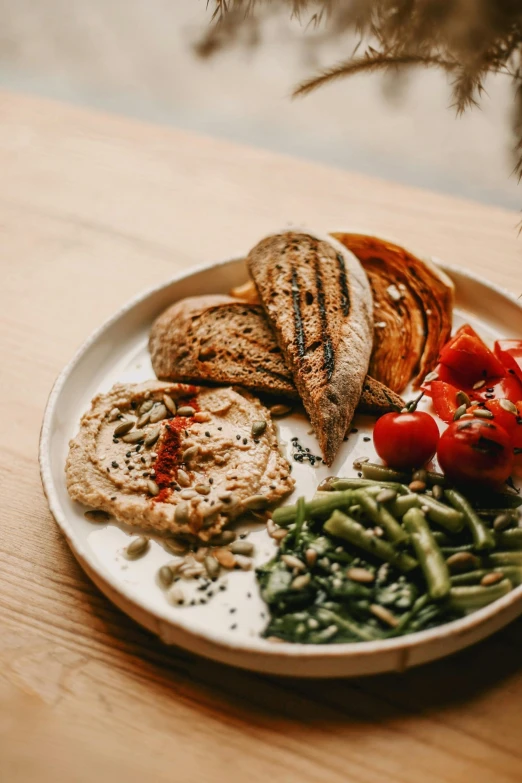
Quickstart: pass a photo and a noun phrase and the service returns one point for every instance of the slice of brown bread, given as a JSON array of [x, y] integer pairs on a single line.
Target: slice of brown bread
[[217, 339]]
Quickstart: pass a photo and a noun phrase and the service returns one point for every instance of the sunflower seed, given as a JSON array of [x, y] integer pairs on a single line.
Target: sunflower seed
[[224, 538], [258, 427], [462, 561], [202, 489], [310, 556], [502, 522], [279, 534], [482, 413], [169, 404], [491, 579], [176, 594], [182, 513], [462, 399], [386, 496], [461, 410], [183, 478], [123, 427], [293, 562], [113, 414], [165, 576], [152, 488], [133, 437], [187, 494], [479, 384], [211, 566], [202, 416], [300, 582], [158, 413], [190, 453], [176, 546], [143, 420], [255, 503], [152, 436], [96, 515], [243, 562], [137, 547], [225, 558], [186, 410], [431, 376], [437, 491], [384, 615], [201, 553], [280, 410], [145, 407], [191, 571], [242, 547], [360, 575], [508, 406]]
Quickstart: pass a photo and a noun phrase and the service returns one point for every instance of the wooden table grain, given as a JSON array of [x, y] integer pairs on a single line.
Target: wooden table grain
[[93, 209]]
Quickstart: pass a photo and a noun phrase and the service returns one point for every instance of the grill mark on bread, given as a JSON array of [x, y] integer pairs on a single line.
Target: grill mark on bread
[[328, 351], [343, 285], [298, 316]]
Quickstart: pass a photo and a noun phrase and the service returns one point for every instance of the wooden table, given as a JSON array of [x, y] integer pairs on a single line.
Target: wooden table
[[92, 209]]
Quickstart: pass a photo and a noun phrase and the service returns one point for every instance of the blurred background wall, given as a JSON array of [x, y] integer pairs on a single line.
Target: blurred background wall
[[136, 57]]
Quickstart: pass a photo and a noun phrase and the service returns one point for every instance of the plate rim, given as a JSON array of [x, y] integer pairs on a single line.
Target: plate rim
[[253, 645]]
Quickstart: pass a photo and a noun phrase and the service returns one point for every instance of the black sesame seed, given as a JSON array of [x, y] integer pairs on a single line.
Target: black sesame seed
[[489, 396], [207, 434], [256, 440], [238, 437], [249, 595], [220, 428], [262, 615], [113, 498], [242, 535], [131, 467], [232, 609], [245, 441], [360, 475], [128, 454], [354, 430], [143, 460], [193, 602], [222, 587], [211, 480], [138, 447], [512, 372], [366, 439], [115, 440], [490, 389], [114, 464], [108, 470], [345, 437], [233, 626], [273, 486]]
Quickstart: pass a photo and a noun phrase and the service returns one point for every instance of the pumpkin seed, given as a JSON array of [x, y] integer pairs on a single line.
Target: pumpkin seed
[[242, 547], [258, 427], [437, 492], [293, 562], [211, 566], [461, 410], [202, 489], [183, 478], [182, 513], [280, 410], [255, 503], [509, 406], [384, 615], [502, 522], [492, 578], [202, 416], [243, 562], [479, 384], [137, 547], [310, 556], [462, 399], [224, 538], [96, 515], [123, 427], [300, 582], [431, 376], [176, 594], [152, 436], [143, 420], [482, 413], [176, 546], [113, 414], [190, 453], [186, 410], [165, 576], [386, 496], [191, 571], [462, 561], [158, 413], [360, 575], [133, 437], [169, 404], [225, 558], [152, 488], [145, 407]]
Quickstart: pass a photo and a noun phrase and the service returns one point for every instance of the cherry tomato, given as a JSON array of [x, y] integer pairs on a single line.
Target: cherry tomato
[[508, 387], [471, 359], [476, 451], [406, 440], [444, 397]]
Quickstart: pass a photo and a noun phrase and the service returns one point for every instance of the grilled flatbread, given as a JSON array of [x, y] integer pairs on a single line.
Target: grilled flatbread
[[413, 303], [319, 304]]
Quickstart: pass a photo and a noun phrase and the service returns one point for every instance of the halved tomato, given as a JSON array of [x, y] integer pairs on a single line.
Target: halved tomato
[[444, 397], [464, 329], [504, 416], [509, 352], [471, 359]]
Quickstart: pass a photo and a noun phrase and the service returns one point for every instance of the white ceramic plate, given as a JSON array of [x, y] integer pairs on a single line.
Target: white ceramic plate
[[228, 627]]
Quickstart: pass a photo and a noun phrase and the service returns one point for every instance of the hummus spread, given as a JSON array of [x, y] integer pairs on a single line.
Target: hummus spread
[[176, 458]]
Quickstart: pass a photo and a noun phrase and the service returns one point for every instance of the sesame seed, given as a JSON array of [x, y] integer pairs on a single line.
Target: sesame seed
[[238, 437], [245, 441], [233, 626], [220, 428], [232, 609], [114, 464], [207, 434], [211, 480], [366, 439], [128, 454], [354, 430]]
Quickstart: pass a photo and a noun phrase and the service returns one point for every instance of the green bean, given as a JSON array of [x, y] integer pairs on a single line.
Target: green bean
[[501, 559], [339, 484], [510, 539], [483, 538], [513, 573], [470, 577], [503, 501], [403, 504], [327, 616], [406, 618], [299, 519], [342, 526], [382, 473], [321, 506], [491, 513], [433, 478], [441, 538], [428, 553], [380, 516], [450, 518], [469, 599], [452, 550]]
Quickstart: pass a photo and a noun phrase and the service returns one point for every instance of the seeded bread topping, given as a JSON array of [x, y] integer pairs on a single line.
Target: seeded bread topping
[[177, 458]]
